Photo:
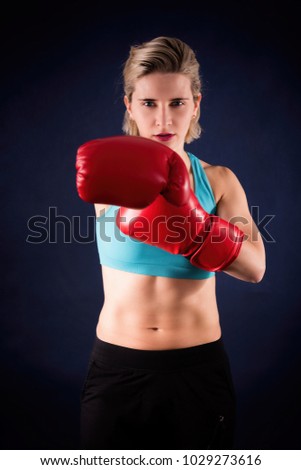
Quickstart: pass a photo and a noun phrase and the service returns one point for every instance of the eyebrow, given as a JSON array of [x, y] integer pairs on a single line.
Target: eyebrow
[[172, 99]]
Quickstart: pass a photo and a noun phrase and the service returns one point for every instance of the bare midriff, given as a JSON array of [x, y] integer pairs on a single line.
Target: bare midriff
[[157, 313]]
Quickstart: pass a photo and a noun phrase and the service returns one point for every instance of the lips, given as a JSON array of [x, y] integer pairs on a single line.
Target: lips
[[163, 137]]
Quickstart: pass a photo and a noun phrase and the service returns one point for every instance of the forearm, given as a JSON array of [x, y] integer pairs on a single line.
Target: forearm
[[249, 266]]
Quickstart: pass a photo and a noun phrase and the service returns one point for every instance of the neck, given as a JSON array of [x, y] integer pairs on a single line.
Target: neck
[[186, 159]]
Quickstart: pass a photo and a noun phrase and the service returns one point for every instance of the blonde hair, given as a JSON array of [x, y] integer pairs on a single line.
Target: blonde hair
[[164, 55]]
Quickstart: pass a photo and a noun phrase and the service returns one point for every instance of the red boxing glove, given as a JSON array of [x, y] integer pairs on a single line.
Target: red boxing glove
[[208, 241], [130, 171]]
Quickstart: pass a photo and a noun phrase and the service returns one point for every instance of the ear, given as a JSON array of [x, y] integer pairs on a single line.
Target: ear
[[197, 102], [127, 105]]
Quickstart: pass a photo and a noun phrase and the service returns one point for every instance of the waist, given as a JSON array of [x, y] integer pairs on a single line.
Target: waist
[[159, 330], [120, 356]]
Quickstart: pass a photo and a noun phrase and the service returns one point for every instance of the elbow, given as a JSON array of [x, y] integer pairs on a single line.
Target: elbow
[[258, 275], [257, 267]]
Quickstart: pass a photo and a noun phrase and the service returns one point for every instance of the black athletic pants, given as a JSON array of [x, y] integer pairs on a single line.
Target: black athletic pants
[[170, 399]]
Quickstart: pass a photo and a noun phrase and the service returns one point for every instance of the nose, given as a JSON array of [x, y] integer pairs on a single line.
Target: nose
[[163, 117]]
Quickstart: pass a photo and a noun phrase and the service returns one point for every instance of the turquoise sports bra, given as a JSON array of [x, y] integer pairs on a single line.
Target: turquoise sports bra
[[121, 252]]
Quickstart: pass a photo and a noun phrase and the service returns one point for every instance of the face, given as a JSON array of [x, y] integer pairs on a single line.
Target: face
[[163, 106]]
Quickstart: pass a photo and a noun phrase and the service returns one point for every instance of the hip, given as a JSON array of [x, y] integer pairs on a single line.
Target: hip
[[184, 397], [204, 367]]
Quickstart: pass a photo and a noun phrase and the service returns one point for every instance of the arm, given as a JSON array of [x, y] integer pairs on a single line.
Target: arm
[[233, 206]]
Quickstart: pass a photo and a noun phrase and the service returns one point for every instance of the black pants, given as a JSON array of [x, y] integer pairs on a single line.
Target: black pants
[[170, 399]]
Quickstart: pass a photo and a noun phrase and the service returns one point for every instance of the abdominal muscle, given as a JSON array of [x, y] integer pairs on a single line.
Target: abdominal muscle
[[156, 313]]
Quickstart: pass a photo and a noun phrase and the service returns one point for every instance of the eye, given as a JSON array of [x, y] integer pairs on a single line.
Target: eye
[[177, 103], [148, 103]]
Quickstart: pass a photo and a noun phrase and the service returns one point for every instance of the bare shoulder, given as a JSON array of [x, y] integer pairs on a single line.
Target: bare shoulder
[[221, 178]]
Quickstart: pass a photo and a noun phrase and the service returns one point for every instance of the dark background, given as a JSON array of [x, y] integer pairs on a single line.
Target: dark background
[[61, 86]]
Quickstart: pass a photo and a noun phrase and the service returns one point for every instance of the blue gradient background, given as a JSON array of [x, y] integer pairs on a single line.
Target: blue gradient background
[[61, 86]]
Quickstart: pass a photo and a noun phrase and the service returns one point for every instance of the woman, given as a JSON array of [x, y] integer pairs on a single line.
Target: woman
[[159, 376]]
